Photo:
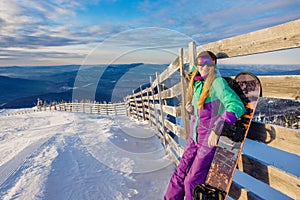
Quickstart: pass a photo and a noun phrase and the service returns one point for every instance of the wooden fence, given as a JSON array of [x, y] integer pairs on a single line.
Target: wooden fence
[[82, 107], [89, 108], [163, 107]]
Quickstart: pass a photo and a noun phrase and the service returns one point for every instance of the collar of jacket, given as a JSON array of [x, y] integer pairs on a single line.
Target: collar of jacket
[[198, 78]]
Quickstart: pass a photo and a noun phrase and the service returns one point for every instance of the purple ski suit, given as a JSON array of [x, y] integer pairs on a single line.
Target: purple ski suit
[[222, 105]]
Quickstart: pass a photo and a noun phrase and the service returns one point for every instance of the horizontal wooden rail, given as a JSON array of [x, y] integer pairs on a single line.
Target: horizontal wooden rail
[[284, 36], [275, 136], [273, 176], [171, 69], [172, 92], [283, 87], [176, 129]]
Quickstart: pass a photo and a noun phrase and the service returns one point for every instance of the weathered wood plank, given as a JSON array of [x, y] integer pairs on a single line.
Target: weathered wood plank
[[172, 110], [172, 92], [191, 53], [284, 36], [184, 86], [162, 114], [239, 193], [175, 146], [138, 98], [135, 94], [276, 136], [276, 178], [152, 97], [135, 105], [173, 157], [176, 129], [148, 107], [171, 69], [284, 87]]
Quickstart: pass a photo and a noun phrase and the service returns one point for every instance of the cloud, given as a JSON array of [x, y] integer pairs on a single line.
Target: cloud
[[238, 17], [35, 23], [35, 42], [21, 54], [40, 57], [56, 23]]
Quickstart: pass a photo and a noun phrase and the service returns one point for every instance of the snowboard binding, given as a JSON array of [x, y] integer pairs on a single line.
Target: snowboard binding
[[206, 192]]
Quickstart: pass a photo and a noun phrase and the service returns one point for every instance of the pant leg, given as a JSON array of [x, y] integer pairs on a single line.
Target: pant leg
[[199, 170], [175, 190]]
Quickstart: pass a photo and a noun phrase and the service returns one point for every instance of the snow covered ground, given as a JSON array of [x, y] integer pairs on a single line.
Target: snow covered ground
[[60, 155]]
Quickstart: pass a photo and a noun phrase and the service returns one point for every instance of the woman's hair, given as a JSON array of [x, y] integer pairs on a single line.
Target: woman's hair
[[208, 81]]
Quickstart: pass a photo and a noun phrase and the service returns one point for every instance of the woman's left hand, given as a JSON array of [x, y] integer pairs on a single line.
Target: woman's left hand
[[213, 139]]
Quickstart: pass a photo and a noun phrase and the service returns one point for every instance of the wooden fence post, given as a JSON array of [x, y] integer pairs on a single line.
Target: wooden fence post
[[192, 54], [136, 106], [128, 106], [107, 113], [143, 106], [149, 114], [163, 88], [98, 109], [161, 110], [155, 109], [183, 81]]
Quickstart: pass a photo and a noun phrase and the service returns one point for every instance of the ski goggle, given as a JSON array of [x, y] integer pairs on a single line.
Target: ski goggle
[[205, 61]]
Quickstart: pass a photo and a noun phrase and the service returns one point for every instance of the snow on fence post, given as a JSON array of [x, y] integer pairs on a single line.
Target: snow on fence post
[[130, 106], [143, 106], [154, 106], [39, 104], [149, 114], [127, 106], [162, 116], [135, 105]]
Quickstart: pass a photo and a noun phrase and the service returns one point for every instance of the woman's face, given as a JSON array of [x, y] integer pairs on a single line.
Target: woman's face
[[204, 65]]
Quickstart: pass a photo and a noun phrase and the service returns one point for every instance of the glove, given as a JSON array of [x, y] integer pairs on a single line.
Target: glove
[[189, 107], [213, 139]]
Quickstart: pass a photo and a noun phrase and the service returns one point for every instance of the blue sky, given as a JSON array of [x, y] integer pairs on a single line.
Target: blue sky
[[57, 32]]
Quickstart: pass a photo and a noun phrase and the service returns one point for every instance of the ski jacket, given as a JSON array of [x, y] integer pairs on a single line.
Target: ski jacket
[[221, 105]]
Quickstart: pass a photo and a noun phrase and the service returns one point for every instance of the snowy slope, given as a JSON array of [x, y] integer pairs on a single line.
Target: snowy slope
[[60, 155]]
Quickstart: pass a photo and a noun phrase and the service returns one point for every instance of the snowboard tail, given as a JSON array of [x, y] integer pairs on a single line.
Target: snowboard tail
[[231, 142]]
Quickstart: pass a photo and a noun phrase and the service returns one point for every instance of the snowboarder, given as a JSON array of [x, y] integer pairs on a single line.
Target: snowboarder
[[211, 102]]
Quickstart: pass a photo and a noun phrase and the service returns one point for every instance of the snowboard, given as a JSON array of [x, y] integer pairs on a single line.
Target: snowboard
[[231, 141]]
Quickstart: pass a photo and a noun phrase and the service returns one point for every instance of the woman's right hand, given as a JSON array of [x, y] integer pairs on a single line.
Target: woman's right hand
[[213, 139], [189, 107]]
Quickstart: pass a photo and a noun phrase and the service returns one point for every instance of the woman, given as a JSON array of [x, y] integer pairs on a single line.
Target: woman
[[211, 103]]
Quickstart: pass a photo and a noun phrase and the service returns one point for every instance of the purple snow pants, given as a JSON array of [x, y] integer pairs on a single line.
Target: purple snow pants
[[192, 169]]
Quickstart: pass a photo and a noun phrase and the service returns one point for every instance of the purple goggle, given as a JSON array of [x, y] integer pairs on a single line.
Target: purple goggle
[[205, 61]]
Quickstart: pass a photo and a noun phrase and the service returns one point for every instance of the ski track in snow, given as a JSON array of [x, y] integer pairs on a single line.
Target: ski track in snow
[[60, 155]]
